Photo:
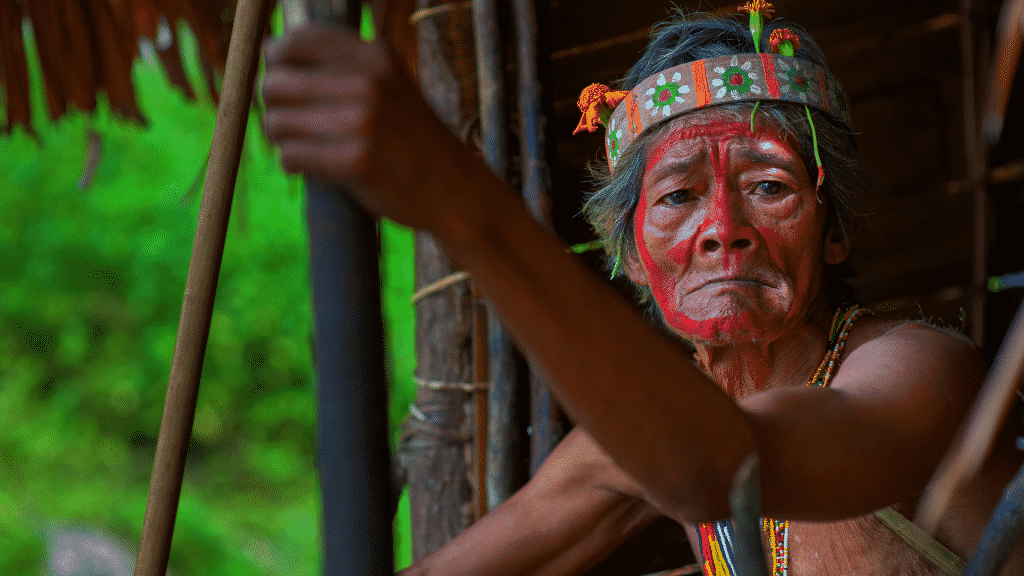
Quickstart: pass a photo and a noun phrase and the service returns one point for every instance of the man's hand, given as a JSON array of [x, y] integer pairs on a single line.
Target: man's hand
[[341, 109]]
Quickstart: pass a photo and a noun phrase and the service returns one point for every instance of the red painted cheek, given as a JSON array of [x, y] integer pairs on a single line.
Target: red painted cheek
[[663, 285]]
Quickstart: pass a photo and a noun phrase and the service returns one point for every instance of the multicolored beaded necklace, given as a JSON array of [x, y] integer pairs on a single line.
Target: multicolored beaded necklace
[[716, 537]]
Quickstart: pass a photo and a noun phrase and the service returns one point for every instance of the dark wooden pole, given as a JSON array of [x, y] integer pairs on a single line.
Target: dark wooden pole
[[201, 288], [545, 420], [976, 171], [503, 432], [354, 462]]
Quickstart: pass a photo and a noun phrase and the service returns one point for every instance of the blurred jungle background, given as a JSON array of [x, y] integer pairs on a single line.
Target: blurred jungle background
[[97, 216]]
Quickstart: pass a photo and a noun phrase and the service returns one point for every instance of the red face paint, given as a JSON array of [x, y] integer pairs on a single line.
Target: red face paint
[[729, 243]]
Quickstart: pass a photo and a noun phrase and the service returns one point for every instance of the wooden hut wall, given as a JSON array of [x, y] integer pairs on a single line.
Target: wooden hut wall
[[901, 64]]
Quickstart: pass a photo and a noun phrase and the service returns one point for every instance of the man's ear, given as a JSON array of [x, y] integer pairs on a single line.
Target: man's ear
[[635, 270], [837, 246]]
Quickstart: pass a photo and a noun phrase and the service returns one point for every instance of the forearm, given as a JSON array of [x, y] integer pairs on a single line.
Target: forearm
[[578, 508], [516, 540], [661, 419]]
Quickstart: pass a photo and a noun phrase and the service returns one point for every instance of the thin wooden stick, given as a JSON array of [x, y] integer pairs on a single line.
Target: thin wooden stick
[[973, 443], [201, 288], [481, 373], [977, 160]]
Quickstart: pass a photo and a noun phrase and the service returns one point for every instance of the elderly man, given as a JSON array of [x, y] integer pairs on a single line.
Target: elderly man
[[731, 192]]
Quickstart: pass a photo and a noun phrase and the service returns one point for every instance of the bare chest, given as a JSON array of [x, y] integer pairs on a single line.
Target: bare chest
[[862, 546]]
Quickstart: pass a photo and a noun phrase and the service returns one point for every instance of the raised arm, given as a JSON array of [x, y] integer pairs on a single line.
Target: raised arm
[[337, 107]]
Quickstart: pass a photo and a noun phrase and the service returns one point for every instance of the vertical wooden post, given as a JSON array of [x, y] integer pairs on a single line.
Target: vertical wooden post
[[201, 289], [545, 420], [437, 435], [481, 407], [976, 169], [503, 433]]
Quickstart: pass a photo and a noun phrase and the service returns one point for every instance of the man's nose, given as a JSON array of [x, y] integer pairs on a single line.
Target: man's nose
[[727, 228]]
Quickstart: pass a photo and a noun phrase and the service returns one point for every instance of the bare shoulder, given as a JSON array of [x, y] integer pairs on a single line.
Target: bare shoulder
[[869, 329], [913, 361]]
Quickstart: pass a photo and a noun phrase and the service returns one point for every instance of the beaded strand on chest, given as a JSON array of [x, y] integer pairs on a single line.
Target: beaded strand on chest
[[776, 532]]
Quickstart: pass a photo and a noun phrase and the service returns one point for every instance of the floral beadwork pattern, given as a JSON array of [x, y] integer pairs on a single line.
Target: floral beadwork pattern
[[735, 80], [664, 94], [794, 81], [614, 133], [839, 97]]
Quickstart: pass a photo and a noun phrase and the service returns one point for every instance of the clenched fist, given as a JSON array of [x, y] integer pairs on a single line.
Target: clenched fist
[[341, 109]]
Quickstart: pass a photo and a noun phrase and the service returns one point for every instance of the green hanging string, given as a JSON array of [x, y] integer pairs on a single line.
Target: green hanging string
[[752, 112], [586, 246], [814, 137], [615, 268]]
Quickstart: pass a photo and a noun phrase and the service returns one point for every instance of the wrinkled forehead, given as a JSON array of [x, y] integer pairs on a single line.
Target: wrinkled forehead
[[696, 131]]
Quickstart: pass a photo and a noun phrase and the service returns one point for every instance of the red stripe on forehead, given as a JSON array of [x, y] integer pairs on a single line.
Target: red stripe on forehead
[[718, 130]]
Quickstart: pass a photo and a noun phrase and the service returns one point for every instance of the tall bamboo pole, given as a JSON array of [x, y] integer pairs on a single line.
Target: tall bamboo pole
[[503, 362], [352, 412], [201, 288], [545, 420]]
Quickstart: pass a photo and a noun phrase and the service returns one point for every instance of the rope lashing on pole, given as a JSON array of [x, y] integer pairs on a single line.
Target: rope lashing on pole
[[201, 288], [354, 460]]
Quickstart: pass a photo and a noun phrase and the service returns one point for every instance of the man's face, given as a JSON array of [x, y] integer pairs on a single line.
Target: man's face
[[729, 231]]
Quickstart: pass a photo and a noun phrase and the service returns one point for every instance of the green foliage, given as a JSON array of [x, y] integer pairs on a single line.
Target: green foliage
[[90, 295]]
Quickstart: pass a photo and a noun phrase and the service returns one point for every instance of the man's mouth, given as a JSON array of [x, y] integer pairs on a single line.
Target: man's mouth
[[734, 280]]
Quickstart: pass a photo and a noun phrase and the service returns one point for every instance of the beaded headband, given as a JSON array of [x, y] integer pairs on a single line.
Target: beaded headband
[[721, 80], [713, 81]]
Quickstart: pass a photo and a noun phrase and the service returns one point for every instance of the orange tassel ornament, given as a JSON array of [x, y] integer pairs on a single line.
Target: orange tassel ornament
[[596, 103]]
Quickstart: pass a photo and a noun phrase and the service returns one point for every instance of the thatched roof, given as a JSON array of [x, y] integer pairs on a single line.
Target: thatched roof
[[88, 46]]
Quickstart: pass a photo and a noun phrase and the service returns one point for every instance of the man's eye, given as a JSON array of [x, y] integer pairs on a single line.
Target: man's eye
[[769, 188], [678, 197]]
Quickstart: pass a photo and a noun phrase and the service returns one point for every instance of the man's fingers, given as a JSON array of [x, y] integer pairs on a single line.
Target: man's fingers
[[311, 45], [317, 124], [284, 86], [338, 162]]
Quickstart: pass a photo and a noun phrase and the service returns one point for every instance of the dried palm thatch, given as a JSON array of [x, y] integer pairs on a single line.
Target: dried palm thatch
[[88, 46]]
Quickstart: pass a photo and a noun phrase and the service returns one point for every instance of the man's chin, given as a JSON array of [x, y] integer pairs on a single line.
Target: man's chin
[[721, 330]]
